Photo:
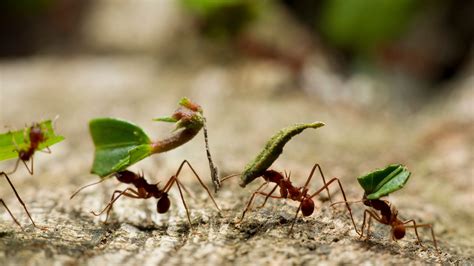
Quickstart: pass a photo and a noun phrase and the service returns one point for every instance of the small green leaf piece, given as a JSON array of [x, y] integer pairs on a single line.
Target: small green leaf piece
[[382, 182], [272, 151], [118, 144], [166, 119], [13, 141]]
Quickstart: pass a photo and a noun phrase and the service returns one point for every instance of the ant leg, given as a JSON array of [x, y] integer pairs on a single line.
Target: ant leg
[[108, 207], [268, 196], [343, 195], [21, 201], [371, 215], [11, 214], [349, 202], [250, 201], [26, 165], [199, 179], [317, 166], [46, 150], [414, 226], [14, 168]]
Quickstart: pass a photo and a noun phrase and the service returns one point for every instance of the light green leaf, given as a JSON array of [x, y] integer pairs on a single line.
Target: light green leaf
[[13, 141]]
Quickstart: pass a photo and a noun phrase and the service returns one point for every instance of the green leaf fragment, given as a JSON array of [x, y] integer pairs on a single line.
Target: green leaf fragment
[[272, 151], [13, 141], [382, 182], [118, 144]]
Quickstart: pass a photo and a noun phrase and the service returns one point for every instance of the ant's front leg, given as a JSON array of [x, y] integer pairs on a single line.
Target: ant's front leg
[[109, 206], [250, 201], [269, 195], [371, 215]]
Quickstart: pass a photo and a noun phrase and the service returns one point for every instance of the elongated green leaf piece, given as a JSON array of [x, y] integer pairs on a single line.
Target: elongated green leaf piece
[[13, 141], [382, 182], [118, 144], [272, 151]]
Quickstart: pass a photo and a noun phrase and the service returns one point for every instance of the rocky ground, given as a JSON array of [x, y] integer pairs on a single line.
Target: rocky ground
[[244, 108]]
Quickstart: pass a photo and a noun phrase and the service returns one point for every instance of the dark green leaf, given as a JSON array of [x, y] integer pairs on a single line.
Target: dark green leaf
[[118, 144], [272, 151], [13, 141], [382, 182]]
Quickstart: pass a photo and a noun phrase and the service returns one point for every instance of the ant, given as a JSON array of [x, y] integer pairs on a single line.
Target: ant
[[289, 191], [145, 190], [36, 137], [388, 216]]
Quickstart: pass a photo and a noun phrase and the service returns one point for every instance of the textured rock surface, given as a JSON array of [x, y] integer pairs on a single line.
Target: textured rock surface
[[245, 104]]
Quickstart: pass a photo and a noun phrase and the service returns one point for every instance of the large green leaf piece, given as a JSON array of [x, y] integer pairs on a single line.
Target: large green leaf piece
[[118, 144], [382, 182], [272, 151], [13, 141]]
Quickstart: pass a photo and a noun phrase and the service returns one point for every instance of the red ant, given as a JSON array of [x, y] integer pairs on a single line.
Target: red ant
[[144, 190], [36, 137], [288, 191], [388, 216]]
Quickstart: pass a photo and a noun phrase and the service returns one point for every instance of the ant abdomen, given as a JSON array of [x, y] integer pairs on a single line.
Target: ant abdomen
[[307, 207], [163, 204]]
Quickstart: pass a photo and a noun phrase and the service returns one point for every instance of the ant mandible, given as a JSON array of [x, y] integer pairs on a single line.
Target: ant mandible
[[289, 191], [145, 190], [36, 136], [389, 216]]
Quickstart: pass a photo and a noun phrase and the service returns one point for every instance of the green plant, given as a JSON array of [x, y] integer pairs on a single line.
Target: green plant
[[382, 182]]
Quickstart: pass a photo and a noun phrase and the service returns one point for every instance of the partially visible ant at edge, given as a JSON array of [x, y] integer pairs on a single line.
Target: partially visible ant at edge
[[389, 216], [35, 137], [145, 190], [289, 191]]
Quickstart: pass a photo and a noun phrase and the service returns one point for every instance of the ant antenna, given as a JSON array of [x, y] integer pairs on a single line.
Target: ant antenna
[[340, 202], [86, 186], [229, 176], [214, 169]]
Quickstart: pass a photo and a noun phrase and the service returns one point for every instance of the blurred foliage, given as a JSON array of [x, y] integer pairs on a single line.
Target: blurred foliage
[[224, 18], [360, 25], [26, 7]]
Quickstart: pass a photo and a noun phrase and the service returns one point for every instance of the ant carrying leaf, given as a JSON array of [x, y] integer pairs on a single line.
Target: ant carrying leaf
[[23, 144], [380, 183], [259, 168], [120, 144]]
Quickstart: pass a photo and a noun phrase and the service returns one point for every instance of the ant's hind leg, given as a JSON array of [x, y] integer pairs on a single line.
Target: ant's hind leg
[[11, 214], [21, 201], [343, 195], [199, 179], [325, 186], [415, 226]]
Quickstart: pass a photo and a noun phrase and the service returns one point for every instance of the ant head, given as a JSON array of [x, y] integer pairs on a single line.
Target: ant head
[[163, 203], [398, 231], [24, 155], [126, 176], [307, 206], [272, 176]]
